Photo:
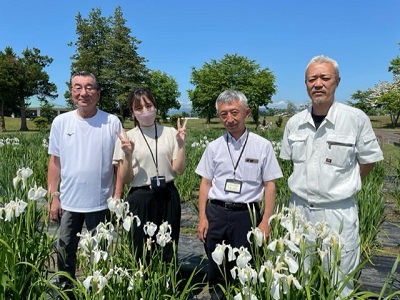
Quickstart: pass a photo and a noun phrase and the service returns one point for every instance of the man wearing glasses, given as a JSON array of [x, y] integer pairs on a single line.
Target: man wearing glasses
[[80, 171]]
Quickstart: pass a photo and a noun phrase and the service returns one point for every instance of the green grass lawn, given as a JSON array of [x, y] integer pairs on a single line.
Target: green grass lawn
[[14, 124], [378, 122]]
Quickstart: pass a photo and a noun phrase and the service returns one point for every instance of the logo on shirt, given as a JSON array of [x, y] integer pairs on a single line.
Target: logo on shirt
[[328, 160], [69, 134]]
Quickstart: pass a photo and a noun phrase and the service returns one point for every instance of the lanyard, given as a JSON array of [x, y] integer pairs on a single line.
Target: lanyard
[[240, 156], [148, 146]]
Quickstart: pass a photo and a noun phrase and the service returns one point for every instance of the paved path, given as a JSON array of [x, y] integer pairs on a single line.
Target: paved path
[[388, 136]]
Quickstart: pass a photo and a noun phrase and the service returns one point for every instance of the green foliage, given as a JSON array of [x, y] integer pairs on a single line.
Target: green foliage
[[165, 91], [362, 99], [9, 66], [395, 180], [279, 122], [47, 112], [395, 65], [371, 206], [41, 123], [22, 151], [231, 72], [385, 96], [25, 77], [391, 103], [174, 119], [106, 48], [26, 245]]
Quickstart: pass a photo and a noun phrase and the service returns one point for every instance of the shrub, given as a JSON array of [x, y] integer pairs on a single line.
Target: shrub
[[279, 122], [41, 123], [173, 119]]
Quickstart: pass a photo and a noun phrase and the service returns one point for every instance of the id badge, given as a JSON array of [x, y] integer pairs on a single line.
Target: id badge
[[233, 186]]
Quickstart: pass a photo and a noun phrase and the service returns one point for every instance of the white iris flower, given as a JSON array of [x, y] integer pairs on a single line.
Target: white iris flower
[[22, 175], [14, 209], [37, 193], [150, 228]]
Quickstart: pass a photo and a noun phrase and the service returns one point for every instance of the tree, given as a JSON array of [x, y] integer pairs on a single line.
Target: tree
[[386, 95], [25, 77], [291, 109], [127, 69], [395, 66], [34, 81], [106, 48], [362, 99], [165, 91], [232, 72], [8, 83], [47, 112]]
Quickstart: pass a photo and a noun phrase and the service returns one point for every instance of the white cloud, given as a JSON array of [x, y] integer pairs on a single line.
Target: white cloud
[[186, 104], [279, 104]]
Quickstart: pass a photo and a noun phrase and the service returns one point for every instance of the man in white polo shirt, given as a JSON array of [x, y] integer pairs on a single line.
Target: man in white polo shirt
[[332, 147]]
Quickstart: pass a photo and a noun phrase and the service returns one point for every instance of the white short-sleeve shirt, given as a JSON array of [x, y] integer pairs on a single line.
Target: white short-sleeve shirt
[[326, 161], [85, 147], [257, 165], [142, 159]]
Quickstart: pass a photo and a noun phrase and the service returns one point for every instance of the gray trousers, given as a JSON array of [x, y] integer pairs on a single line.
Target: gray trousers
[[72, 223]]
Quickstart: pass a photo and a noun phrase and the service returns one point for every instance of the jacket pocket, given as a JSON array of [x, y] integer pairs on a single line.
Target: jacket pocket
[[340, 150], [298, 145]]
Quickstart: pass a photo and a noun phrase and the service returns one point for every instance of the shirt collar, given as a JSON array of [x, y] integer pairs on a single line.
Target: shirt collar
[[240, 141], [332, 113], [330, 117]]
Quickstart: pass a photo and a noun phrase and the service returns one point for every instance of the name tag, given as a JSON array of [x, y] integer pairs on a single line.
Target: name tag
[[251, 160], [233, 186]]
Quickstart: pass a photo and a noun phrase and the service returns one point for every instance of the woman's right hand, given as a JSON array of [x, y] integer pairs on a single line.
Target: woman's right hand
[[126, 145]]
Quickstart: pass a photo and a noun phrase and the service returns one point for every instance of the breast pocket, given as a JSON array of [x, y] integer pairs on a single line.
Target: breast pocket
[[340, 150], [252, 170], [298, 146]]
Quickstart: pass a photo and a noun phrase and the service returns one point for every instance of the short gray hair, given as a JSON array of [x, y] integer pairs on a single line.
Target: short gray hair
[[86, 74], [324, 59], [229, 96]]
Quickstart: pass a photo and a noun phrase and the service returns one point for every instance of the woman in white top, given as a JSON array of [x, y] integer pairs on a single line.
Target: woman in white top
[[150, 156]]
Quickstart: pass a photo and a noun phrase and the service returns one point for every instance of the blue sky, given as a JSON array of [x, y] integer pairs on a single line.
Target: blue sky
[[177, 35]]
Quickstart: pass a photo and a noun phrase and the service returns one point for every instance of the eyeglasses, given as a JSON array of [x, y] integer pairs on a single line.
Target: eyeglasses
[[88, 88]]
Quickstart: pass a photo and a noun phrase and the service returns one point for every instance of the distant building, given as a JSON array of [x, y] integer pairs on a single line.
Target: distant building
[[33, 110]]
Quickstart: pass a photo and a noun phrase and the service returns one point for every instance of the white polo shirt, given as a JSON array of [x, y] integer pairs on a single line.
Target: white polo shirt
[[257, 164], [325, 161]]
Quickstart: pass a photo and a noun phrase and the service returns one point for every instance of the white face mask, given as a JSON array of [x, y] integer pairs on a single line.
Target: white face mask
[[146, 118]]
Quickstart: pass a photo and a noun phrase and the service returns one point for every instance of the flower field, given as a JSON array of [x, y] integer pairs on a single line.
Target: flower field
[[299, 261]]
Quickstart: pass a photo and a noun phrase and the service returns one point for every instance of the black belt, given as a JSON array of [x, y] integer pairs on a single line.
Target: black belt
[[147, 187], [233, 205]]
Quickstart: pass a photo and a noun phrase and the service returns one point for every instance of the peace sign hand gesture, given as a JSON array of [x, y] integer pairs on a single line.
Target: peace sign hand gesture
[[126, 145], [181, 135]]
